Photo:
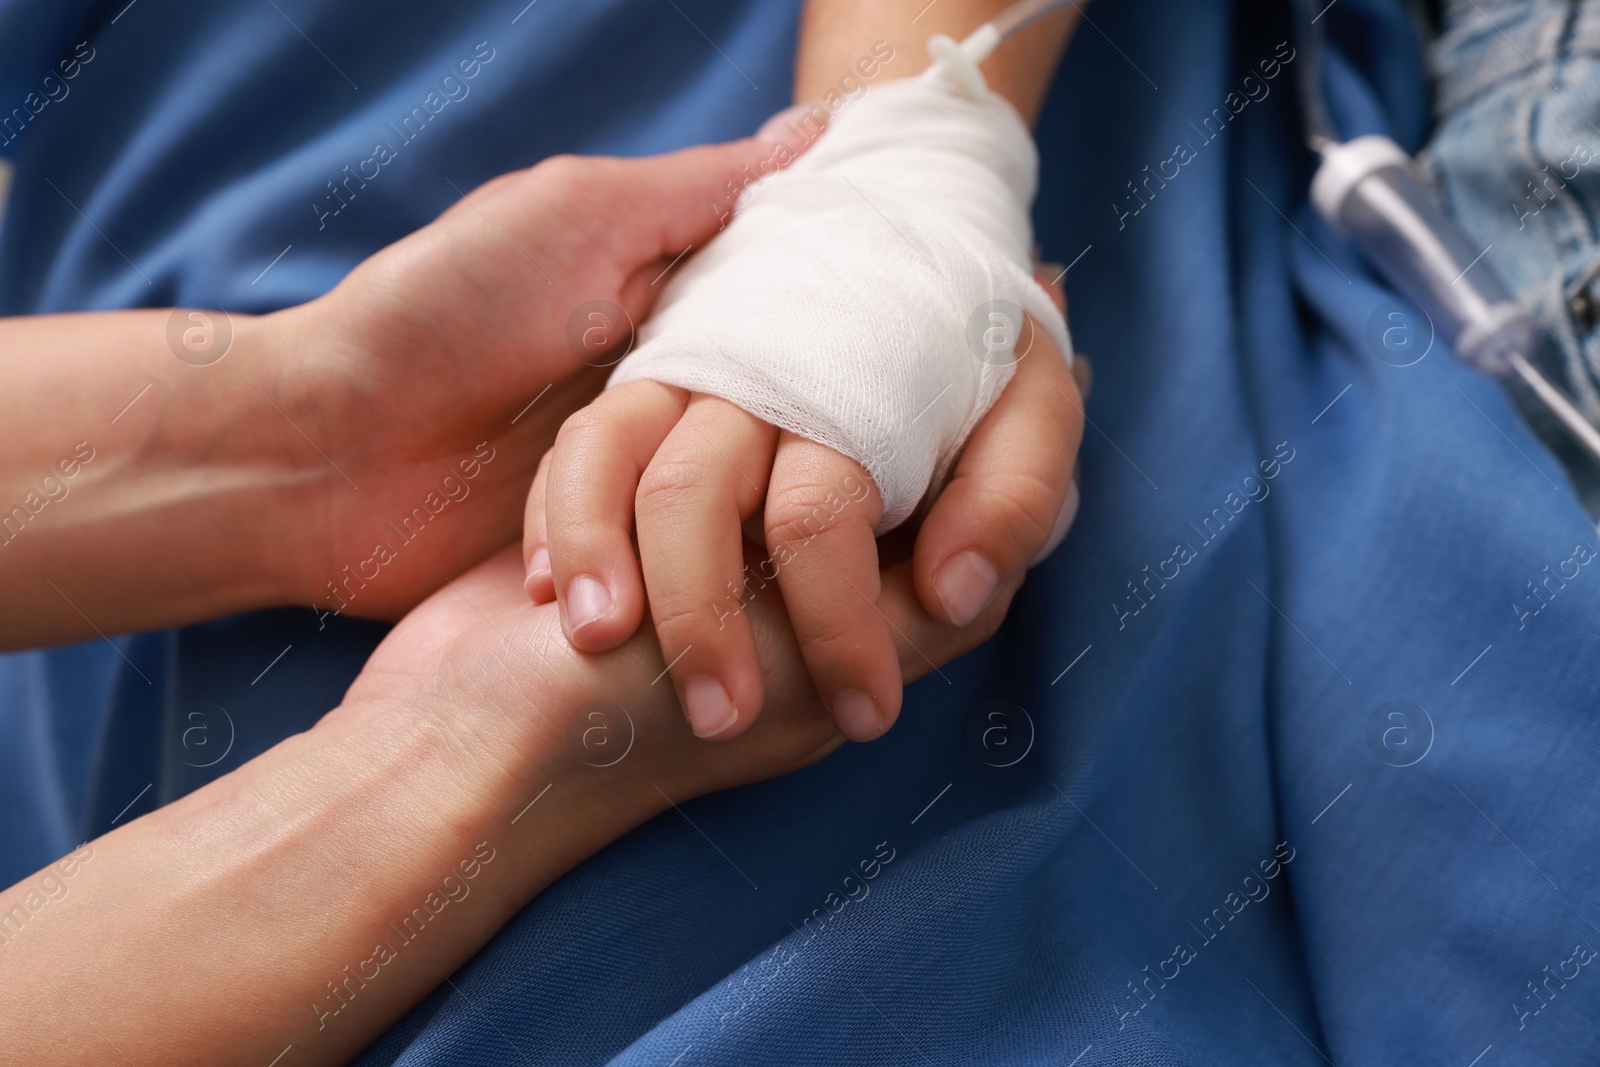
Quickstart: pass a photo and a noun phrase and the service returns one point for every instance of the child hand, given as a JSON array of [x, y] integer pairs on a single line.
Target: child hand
[[689, 470]]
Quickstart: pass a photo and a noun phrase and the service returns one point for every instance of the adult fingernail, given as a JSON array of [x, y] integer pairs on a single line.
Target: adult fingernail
[[1069, 511], [538, 565], [588, 600], [965, 584], [708, 706], [856, 715]]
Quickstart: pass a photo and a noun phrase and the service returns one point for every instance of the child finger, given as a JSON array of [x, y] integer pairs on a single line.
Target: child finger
[[537, 580], [594, 471], [709, 473], [821, 510], [1011, 493]]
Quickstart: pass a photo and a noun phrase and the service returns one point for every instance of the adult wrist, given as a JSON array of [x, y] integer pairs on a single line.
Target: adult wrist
[[281, 377], [193, 492], [360, 863], [166, 481], [523, 781]]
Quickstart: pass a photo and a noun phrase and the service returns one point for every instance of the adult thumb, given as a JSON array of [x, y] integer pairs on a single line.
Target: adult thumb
[[690, 195]]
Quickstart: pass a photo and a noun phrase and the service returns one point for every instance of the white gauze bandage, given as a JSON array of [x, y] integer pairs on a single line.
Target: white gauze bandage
[[869, 296]]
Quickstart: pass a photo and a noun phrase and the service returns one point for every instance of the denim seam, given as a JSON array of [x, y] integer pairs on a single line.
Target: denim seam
[[1566, 56], [1578, 234], [1577, 350], [1523, 140], [1462, 73], [1582, 353]]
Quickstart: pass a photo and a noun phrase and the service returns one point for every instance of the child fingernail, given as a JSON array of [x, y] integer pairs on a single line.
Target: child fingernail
[[708, 706], [1069, 511], [965, 584], [588, 601], [538, 565], [856, 715]]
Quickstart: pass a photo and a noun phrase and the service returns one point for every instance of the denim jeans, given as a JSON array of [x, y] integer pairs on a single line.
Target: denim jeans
[[1515, 156]]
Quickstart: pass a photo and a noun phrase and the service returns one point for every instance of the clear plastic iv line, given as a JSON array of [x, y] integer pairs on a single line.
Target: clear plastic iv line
[[1019, 16], [1025, 13]]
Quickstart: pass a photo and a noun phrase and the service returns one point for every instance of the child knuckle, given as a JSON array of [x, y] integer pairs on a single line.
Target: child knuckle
[[672, 485], [796, 513]]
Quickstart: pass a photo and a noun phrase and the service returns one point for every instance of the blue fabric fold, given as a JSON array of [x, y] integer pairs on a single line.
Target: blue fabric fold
[[1283, 757]]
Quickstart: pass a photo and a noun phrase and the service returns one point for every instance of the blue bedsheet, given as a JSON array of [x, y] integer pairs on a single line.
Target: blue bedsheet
[[1286, 757]]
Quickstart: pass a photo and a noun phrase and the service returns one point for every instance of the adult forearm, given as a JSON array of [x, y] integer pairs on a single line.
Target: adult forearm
[[145, 464], [837, 36], [307, 900]]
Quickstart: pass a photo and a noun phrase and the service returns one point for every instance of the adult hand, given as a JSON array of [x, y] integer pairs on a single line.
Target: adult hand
[[310, 897], [441, 368], [353, 452]]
